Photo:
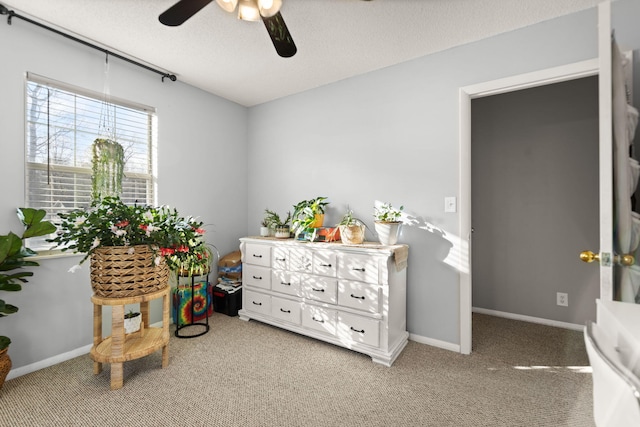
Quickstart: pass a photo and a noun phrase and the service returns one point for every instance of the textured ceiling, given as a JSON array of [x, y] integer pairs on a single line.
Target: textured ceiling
[[336, 39]]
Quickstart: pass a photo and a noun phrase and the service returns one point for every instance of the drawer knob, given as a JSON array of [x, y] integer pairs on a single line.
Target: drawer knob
[[325, 265], [359, 269], [257, 256], [257, 277], [285, 311], [317, 290], [281, 259], [285, 283], [361, 331], [317, 320], [357, 297], [256, 303]]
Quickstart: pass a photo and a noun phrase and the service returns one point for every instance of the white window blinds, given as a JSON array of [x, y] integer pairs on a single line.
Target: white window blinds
[[61, 124]]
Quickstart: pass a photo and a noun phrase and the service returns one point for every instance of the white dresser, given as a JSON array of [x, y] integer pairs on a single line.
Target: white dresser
[[351, 296]]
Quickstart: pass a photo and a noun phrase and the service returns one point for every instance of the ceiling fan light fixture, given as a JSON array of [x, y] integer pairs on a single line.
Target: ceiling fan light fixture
[[248, 10], [227, 5], [268, 8]]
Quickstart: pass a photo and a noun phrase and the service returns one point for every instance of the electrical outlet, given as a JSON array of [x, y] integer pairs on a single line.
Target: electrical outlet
[[562, 299]]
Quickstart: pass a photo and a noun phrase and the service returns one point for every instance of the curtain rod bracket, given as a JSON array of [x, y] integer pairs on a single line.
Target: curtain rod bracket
[[11, 14]]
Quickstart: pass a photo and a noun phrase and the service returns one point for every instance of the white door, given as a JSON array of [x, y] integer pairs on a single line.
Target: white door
[[605, 96]]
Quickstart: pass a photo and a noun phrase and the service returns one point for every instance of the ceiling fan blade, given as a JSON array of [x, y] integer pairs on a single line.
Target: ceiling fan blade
[[280, 35], [181, 11]]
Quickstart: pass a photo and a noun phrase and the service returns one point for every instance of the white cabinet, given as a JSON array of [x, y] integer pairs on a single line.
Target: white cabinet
[[351, 296]]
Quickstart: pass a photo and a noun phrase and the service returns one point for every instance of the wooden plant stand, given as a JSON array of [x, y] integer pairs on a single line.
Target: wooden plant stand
[[120, 347]]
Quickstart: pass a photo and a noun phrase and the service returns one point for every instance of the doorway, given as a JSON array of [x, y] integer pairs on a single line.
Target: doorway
[[502, 86], [534, 181]]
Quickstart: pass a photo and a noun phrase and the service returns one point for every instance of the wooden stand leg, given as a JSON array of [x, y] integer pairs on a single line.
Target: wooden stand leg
[[116, 376], [117, 344]]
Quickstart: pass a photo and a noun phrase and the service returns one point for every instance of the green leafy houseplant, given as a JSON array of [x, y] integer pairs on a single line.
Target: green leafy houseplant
[[13, 254], [276, 223], [109, 222], [387, 213], [306, 213], [272, 219]]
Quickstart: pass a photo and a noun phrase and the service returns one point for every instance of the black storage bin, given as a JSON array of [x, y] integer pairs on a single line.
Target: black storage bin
[[227, 302]]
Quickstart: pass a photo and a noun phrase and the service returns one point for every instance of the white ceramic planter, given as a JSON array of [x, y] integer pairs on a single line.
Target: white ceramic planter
[[132, 324], [264, 231], [387, 232]]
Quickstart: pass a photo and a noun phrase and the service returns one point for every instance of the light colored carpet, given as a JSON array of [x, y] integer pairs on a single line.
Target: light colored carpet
[[251, 374]]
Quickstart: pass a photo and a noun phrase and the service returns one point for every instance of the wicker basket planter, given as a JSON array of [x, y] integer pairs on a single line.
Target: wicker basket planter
[[5, 365], [126, 271]]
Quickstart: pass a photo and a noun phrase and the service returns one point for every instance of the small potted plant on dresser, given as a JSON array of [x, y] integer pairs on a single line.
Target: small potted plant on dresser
[[280, 227], [308, 214], [351, 229], [387, 223], [264, 228]]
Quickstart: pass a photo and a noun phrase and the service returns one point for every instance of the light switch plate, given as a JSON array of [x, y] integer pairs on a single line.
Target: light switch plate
[[450, 204]]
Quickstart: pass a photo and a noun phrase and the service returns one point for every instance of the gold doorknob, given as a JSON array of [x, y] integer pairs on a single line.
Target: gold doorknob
[[588, 256], [626, 260]]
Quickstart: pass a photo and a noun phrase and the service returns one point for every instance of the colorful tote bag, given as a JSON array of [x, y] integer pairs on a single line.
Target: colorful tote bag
[[184, 300]]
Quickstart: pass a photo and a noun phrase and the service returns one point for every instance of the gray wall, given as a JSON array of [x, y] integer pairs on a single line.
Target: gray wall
[[201, 171], [392, 135], [534, 172]]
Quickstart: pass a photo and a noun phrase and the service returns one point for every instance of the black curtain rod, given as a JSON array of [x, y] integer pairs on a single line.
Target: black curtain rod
[[11, 14]]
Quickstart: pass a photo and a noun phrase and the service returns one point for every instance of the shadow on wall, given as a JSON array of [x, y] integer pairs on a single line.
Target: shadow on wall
[[441, 247]]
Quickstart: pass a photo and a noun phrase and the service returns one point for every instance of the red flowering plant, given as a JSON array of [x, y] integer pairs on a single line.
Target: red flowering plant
[[109, 222]]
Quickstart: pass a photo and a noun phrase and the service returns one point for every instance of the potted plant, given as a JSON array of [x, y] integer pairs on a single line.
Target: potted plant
[[351, 229], [264, 228], [137, 245], [132, 321], [12, 257], [387, 223], [281, 227], [107, 168], [308, 214]]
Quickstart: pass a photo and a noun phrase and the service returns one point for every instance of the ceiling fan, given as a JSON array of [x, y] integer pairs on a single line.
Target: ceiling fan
[[249, 10]]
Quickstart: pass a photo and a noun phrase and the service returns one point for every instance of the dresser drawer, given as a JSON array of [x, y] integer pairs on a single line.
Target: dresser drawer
[[286, 310], [285, 282], [257, 255], [280, 258], [300, 259], [319, 319], [359, 329], [359, 295], [253, 275], [319, 288], [325, 263], [259, 303], [358, 267]]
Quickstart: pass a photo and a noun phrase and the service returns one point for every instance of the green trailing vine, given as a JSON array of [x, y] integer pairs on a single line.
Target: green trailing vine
[[108, 165]]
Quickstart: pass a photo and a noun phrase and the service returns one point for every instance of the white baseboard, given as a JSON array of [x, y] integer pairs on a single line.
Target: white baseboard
[[435, 343], [531, 319], [23, 370], [27, 369]]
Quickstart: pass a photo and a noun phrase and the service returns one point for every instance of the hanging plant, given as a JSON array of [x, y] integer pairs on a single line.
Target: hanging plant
[[108, 165]]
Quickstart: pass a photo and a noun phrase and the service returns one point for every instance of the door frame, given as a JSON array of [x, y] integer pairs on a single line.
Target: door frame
[[548, 76]]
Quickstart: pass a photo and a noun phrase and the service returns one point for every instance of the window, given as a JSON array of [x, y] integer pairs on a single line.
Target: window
[[61, 124]]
